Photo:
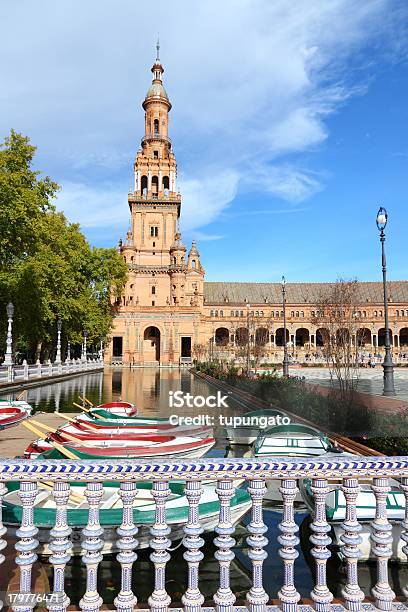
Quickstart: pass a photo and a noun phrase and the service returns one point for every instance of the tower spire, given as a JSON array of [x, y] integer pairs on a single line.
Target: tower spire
[[158, 49]]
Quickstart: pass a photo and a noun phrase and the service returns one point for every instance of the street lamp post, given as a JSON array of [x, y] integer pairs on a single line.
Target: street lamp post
[[84, 357], [248, 360], [8, 357], [388, 366], [285, 347], [59, 328]]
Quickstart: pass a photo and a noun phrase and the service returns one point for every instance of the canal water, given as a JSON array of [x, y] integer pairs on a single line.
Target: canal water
[[150, 389]]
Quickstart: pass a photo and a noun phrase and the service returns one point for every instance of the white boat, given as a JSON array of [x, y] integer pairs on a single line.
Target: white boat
[[365, 513], [293, 440], [111, 513], [245, 428]]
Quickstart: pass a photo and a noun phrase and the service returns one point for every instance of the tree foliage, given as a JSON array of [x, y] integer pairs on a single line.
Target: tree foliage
[[47, 267]]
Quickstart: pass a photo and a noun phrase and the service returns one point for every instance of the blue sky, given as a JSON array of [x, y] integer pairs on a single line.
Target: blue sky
[[289, 123]]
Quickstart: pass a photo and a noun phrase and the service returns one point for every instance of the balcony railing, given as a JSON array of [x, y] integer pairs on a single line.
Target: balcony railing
[[56, 476], [155, 136], [27, 373]]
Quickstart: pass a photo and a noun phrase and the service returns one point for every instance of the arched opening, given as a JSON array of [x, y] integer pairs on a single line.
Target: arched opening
[[166, 183], [261, 336], [321, 336], [241, 336], [302, 336], [363, 337], [381, 337], [342, 337], [221, 336], [193, 263], [156, 127], [143, 185], [279, 336], [155, 184], [403, 336], [151, 344]]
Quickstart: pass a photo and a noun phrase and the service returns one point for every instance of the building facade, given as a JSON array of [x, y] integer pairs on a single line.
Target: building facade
[[168, 313]]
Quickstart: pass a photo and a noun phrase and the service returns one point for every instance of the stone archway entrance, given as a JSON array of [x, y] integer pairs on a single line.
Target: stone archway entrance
[[151, 344]]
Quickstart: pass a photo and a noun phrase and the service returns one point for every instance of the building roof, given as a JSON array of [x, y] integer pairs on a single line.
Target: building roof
[[296, 293]]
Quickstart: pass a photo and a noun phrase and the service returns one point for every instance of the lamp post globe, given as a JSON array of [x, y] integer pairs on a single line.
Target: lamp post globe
[[388, 366], [8, 357], [285, 369]]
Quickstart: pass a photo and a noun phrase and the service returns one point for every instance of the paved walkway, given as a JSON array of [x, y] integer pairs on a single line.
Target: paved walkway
[[370, 381]]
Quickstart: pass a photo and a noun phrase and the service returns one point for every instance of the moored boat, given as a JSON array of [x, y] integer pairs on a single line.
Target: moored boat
[[152, 447], [16, 404], [11, 415], [85, 432], [110, 513], [246, 428], [99, 416], [118, 408], [293, 440]]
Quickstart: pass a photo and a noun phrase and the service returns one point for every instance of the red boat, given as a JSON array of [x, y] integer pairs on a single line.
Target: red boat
[[11, 415], [120, 408], [83, 432], [150, 446]]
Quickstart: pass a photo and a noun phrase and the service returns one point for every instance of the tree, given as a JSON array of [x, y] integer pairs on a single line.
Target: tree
[[337, 317], [50, 270]]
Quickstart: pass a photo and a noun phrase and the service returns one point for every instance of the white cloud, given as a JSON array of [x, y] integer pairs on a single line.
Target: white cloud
[[251, 84]]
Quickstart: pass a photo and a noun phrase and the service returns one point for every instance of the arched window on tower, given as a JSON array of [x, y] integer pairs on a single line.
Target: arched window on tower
[[193, 263], [166, 185], [155, 185], [156, 127], [143, 185]]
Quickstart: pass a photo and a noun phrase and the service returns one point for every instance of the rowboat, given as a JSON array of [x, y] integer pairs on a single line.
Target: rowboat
[[86, 432], [177, 509], [99, 416], [293, 440], [11, 415], [119, 408], [16, 404], [245, 428], [152, 447], [365, 513]]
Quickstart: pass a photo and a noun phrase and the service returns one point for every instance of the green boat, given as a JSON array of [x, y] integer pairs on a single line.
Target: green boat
[[109, 418], [111, 512], [245, 428], [293, 440]]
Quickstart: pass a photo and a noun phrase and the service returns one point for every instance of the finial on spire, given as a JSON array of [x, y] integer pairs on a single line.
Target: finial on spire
[[158, 49]]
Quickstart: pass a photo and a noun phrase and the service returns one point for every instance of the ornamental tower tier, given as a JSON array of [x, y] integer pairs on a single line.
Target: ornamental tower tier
[[154, 202]]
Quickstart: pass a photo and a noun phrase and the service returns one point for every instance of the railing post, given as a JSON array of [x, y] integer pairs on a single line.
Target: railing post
[[27, 542], [10, 373], [320, 540], [3, 529], [352, 593], [257, 597], [25, 371], [192, 599], [404, 534], [61, 546], [288, 540], [126, 600], [38, 364], [224, 598], [92, 545], [381, 538], [160, 600]]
